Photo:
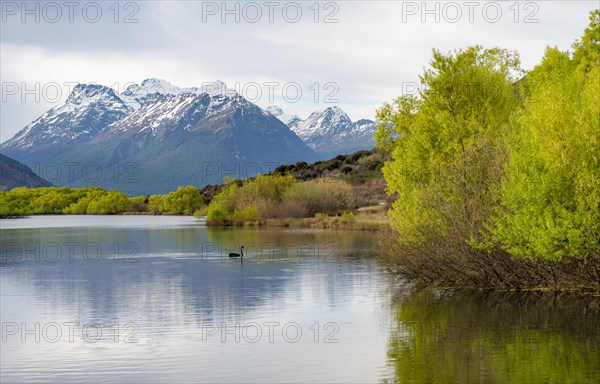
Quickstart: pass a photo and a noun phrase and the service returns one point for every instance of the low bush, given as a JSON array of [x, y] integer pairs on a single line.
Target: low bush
[[248, 214], [323, 195], [217, 213]]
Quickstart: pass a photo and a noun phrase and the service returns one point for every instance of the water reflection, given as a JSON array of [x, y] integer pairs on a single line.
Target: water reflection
[[162, 302], [172, 294], [495, 337]]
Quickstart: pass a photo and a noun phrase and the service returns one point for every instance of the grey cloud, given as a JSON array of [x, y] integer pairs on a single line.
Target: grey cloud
[[369, 53]]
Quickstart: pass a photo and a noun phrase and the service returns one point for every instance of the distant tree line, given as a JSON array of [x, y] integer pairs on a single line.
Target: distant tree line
[[96, 201]]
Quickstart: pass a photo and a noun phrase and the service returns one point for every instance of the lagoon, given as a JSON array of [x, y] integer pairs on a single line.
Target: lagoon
[[156, 299]]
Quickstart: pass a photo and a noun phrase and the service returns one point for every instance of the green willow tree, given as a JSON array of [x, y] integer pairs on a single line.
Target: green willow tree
[[485, 161], [185, 200], [57, 200], [447, 145], [97, 201], [551, 197]]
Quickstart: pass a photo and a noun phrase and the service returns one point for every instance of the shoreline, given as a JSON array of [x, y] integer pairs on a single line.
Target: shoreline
[[379, 224], [376, 223], [333, 223]]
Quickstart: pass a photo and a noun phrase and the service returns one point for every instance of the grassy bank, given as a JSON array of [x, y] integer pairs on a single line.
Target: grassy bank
[[343, 222], [329, 223]]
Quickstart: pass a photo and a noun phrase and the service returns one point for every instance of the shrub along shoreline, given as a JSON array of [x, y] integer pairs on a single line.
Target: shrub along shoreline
[[498, 174]]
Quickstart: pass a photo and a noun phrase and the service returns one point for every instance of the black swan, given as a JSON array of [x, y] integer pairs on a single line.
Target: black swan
[[241, 254]]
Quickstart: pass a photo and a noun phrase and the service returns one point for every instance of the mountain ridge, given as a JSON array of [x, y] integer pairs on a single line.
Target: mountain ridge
[[330, 132], [87, 111], [14, 174], [174, 136]]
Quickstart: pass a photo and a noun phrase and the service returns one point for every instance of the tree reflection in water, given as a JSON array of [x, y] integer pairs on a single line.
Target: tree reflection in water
[[460, 337]]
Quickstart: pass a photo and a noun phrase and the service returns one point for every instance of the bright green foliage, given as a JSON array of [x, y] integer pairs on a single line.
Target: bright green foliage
[[53, 200], [99, 202], [25, 201], [248, 214], [253, 200], [217, 213], [551, 197], [109, 203], [95, 201], [503, 165], [16, 202], [81, 206], [264, 189], [587, 50], [446, 143], [222, 204], [155, 204], [185, 200]]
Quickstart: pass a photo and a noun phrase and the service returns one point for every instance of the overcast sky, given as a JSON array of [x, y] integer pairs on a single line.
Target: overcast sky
[[354, 54]]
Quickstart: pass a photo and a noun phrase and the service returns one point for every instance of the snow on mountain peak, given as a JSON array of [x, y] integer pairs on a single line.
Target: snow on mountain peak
[[335, 110], [88, 109], [274, 110], [85, 94], [336, 114], [216, 88], [289, 120], [135, 95], [156, 107], [154, 82], [332, 130]]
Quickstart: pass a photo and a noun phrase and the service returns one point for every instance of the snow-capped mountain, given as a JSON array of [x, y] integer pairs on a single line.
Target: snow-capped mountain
[[163, 136], [331, 131], [173, 136], [289, 120], [135, 95], [87, 110]]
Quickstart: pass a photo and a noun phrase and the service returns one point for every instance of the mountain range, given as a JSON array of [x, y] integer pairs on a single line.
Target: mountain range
[[330, 132], [154, 137]]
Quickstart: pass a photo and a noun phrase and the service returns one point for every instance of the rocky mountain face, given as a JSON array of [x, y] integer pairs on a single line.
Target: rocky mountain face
[[330, 132], [14, 174], [155, 137], [88, 110]]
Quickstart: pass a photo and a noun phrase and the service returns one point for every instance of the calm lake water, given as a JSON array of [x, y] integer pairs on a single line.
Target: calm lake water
[[157, 299]]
